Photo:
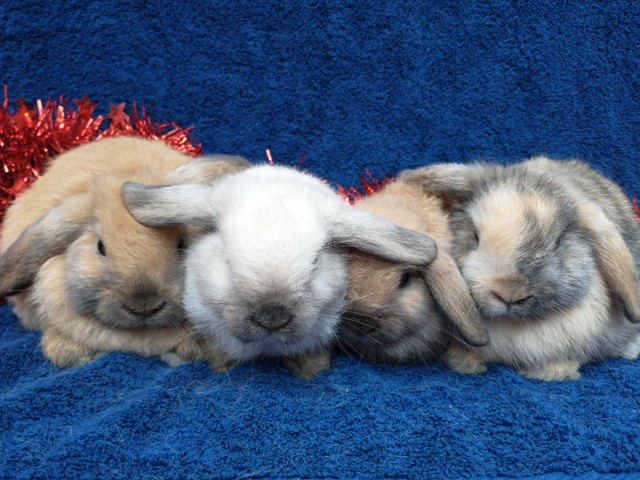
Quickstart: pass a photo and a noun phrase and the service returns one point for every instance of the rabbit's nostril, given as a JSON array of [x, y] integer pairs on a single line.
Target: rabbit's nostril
[[144, 299]]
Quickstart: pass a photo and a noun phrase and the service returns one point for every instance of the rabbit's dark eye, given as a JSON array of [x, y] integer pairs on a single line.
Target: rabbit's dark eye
[[476, 237], [101, 250], [181, 245], [404, 280]]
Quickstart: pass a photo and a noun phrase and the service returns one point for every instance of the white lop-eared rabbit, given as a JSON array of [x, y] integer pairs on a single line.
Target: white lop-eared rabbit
[[400, 313], [79, 268], [550, 251], [271, 277]]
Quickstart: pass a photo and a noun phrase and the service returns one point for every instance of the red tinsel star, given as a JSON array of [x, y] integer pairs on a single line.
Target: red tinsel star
[[85, 107], [117, 115]]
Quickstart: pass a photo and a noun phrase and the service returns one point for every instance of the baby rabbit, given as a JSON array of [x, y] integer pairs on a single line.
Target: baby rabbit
[[79, 268], [391, 314], [271, 279], [549, 250]]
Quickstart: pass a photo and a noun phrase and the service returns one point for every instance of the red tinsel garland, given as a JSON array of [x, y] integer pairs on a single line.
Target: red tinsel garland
[[29, 137], [369, 186]]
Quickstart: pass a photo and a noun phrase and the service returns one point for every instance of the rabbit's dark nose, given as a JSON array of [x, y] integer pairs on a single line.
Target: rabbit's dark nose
[[359, 323], [271, 316], [145, 301]]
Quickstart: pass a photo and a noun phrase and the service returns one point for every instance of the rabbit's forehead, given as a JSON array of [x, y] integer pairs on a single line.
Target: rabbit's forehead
[[272, 220], [508, 219], [270, 250]]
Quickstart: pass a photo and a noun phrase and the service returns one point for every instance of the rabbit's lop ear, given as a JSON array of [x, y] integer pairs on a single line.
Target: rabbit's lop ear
[[453, 183], [451, 293], [613, 257], [164, 205], [208, 169], [45, 238], [371, 234]]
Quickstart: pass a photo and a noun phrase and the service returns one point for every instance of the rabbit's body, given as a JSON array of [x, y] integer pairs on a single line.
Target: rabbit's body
[[83, 271], [271, 279], [391, 314], [547, 249]]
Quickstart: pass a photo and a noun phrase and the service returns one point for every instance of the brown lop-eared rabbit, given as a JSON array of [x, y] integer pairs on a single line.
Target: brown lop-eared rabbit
[[76, 266], [397, 313]]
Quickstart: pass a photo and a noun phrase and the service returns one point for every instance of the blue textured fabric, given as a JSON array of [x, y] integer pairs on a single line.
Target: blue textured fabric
[[351, 85]]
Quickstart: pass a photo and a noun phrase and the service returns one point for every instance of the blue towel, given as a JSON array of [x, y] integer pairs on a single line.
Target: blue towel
[[351, 86]]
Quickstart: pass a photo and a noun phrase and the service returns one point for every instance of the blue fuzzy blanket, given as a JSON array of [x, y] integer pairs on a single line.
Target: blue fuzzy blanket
[[350, 85]]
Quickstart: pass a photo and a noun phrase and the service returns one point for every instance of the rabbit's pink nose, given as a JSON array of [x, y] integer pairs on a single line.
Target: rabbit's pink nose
[[271, 316]]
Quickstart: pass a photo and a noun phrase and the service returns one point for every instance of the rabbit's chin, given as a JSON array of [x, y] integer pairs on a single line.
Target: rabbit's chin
[[242, 346], [495, 311], [412, 344], [170, 316]]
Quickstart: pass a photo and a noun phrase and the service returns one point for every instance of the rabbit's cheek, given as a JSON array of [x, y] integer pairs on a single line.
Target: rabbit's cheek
[[412, 302], [480, 271]]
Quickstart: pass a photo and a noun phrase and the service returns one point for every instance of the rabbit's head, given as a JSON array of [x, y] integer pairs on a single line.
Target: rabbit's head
[[530, 237], [398, 313], [116, 270], [521, 248], [390, 314]]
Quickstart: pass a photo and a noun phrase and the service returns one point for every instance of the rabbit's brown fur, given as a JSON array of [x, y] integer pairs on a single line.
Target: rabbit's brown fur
[[395, 313], [83, 271]]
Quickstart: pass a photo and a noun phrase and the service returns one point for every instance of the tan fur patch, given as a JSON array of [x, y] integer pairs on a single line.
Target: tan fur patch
[[127, 242], [72, 173], [499, 222], [412, 302], [372, 281]]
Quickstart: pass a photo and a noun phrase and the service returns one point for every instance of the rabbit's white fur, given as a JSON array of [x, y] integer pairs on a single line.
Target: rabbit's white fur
[[274, 255]]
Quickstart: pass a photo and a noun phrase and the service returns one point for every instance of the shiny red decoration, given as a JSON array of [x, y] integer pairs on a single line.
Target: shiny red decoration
[[368, 186], [117, 115], [30, 134]]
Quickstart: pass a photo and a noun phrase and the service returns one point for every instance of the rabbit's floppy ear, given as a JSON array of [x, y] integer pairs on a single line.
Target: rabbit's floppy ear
[[45, 238], [613, 257], [164, 205], [371, 234], [452, 294], [452, 183], [206, 170]]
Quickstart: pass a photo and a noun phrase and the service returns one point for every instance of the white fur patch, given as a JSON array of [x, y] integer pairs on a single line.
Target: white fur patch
[[268, 245]]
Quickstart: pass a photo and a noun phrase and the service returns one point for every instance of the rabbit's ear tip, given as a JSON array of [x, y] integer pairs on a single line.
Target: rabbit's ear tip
[[430, 249], [633, 317]]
